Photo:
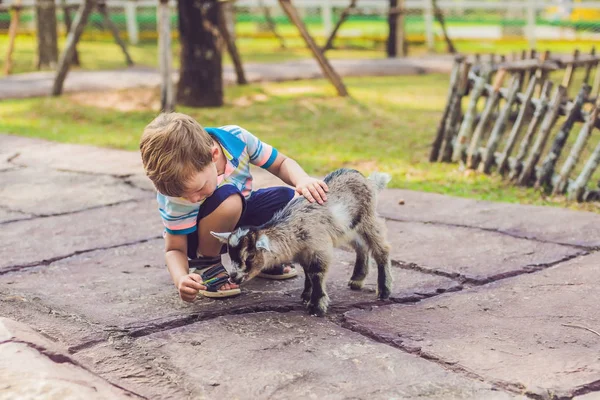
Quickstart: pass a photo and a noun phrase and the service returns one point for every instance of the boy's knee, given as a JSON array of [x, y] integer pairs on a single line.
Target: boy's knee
[[231, 206]]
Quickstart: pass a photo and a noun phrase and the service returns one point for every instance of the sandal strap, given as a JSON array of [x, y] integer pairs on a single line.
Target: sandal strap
[[216, 283], [212, 280], [213, 271]]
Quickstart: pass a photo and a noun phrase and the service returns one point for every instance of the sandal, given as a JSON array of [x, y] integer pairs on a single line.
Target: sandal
[[215, 277], [278, 273]]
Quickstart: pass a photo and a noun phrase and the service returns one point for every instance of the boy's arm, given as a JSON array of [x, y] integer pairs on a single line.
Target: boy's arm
[[187, 284], [292, 173]]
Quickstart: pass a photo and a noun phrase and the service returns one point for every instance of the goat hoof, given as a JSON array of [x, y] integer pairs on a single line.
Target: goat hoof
[[383, 296], [305, 298], [316, 311], [355, 285]]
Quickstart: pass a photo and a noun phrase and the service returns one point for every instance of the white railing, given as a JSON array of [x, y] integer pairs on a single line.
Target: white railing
[[530, 8]]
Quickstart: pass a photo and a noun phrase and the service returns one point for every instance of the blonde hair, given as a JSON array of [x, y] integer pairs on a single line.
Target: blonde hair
[[174, 147]]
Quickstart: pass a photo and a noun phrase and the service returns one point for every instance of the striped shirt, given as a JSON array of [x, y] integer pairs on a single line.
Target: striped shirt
[[241, 148]]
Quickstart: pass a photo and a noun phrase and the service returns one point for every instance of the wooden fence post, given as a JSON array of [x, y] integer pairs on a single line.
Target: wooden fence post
[[545, 174], [542, 137], [466, 127], [499, 127], [524, 112], [538, 116], [439, 136], [492, 101], [582, 138], [455, 112]]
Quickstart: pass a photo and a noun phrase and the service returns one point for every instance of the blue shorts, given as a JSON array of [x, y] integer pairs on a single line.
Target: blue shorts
[[257, 209]]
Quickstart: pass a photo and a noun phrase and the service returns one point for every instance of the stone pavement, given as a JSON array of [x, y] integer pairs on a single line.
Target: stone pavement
[[40, 83], [491, 301]]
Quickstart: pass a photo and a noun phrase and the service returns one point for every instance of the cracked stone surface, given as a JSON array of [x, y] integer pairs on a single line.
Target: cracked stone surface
[[11, 215], [589, 396], [551, 224], [31, 366], [93, 282], [44, 192], [29, 242], [72, 157], [474, 254], [511, 332], [130, 287], [290, 355]]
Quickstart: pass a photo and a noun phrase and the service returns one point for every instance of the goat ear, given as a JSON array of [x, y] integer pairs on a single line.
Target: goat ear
[[223, 237], [263, 243]]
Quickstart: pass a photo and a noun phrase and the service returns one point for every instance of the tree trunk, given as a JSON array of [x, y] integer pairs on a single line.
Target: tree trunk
[[396, 42], [201, 74], [47, 55]]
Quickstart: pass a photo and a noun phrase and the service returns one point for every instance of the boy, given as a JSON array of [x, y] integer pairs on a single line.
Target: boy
[[204, 184]]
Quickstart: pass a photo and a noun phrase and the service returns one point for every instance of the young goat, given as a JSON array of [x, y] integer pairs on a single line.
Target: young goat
[[306, 233]]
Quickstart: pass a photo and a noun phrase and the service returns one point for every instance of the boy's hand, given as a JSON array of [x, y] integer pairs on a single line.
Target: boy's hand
[[188, 287], [313, 189]]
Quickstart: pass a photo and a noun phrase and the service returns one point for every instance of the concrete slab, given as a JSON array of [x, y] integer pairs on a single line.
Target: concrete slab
[[73, 331], [479, 256], [291, 355], [551, 224], [524, 333], [12, 215], [33, 241], [589, 396], [72, 157], [130, 288], [46, 192], [33, 367]]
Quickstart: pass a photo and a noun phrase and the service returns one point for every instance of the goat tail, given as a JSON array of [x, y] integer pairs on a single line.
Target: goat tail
[[380, 180]]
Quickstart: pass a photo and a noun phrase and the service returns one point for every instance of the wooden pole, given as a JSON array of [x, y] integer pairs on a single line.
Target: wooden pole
[[74, 35], [114, 30], [439, 15], [545, 175], [524, 112], [230, 42], [68, 24], [596, 84], [12, 34], [588, 68], [452, 122], [538, 147], [439, 137], [570, 70], [577, 189], [271, 23], [582, 138], [492, 101], [327, 69], [466, 127], [539, 114], [167, 90], [345, 14], [499, 127]]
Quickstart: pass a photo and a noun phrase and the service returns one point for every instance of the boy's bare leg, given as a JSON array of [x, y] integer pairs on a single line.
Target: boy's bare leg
[[223, 219]]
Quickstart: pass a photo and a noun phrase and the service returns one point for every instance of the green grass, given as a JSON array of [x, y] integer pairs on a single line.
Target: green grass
[[387, 125], [105, 54]]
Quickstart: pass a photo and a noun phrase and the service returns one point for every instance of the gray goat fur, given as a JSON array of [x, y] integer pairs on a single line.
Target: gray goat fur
[[306, 233]]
